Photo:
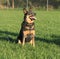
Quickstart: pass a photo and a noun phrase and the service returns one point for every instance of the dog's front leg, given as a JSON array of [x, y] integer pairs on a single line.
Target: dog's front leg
[[19, 42], [23, 40], [33, 41]]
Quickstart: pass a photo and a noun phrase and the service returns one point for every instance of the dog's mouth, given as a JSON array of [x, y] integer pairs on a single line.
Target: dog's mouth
[[32, 17]]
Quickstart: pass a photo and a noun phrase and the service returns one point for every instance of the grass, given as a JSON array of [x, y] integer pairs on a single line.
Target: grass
[[47, 38]]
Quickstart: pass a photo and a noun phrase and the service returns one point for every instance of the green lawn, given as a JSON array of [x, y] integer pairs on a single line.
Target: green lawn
[[47, 38]]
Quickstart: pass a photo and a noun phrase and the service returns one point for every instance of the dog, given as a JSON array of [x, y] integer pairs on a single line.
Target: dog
[[27, 32]]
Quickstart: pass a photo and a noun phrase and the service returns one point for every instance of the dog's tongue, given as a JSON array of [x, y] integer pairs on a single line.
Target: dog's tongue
[[32, 17]]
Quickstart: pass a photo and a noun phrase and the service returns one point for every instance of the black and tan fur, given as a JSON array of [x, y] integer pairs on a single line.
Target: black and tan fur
[[27, 32]]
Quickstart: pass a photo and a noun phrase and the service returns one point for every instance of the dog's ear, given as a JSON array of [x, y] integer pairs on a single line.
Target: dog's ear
[[30, 8], [25, 10]]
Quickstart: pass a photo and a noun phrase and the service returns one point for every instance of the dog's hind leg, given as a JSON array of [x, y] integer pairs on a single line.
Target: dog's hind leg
[[31, 42]]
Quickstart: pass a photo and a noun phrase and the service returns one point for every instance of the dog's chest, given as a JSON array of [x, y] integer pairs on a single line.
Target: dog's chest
[[29, 37]]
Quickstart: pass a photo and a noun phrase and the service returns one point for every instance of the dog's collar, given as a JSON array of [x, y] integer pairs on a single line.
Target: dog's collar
[[28, 25], [28, 29]]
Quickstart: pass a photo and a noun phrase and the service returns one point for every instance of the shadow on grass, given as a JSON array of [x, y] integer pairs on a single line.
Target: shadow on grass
[[9, 33], [55, 39], [6, 37]]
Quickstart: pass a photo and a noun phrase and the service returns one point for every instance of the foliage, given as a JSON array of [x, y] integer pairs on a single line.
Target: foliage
[[34, 3]]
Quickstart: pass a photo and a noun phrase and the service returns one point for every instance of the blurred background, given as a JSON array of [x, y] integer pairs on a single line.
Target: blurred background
[[36, 4]]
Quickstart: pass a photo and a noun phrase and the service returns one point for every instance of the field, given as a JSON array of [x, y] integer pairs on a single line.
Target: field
[[47, 37]]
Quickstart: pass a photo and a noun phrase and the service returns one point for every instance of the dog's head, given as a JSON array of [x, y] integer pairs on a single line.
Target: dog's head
[[29, 16]]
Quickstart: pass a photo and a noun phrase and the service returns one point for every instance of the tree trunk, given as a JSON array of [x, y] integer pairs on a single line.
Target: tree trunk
[[8, 3], [47, 5], [12, 3]]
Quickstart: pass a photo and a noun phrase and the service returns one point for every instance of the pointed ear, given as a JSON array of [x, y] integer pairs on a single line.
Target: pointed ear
[[24, 10], [30, 9]]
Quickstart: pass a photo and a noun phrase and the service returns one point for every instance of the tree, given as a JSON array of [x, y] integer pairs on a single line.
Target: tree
[[47, 5], [12, 3], [8, 3]]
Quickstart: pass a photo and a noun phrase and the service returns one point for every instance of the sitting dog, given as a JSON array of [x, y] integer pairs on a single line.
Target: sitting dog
[[27, 32]]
